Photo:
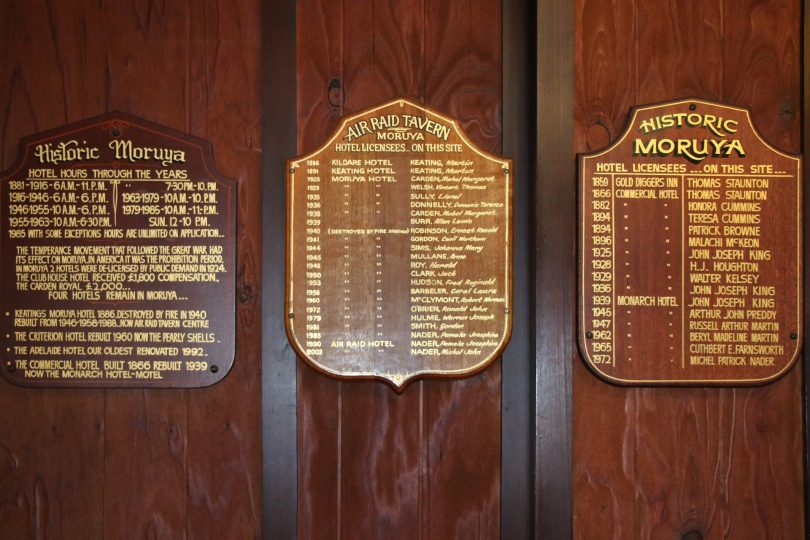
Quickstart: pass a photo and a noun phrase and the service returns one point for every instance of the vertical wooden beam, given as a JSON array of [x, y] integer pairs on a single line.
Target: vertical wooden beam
[[555, 208], [280, 490], [517, 397], [804, 109]]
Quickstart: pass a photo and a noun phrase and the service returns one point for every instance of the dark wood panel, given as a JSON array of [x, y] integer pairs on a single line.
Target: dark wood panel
[[319, 452], [382, 51], [145, 477], [380, 461], [603, 421], [463, 72], [806, 151], [224, 421], [319, 71], [279, 364], [463, 51], [686, 42], [678, 449], [462, 429], [762, 71], [145, 474], [374, 463], [667, 462], [110, 463], [52, 442], [320, 96], [517, 362], [762, 61], [604, 70], [554, 293]]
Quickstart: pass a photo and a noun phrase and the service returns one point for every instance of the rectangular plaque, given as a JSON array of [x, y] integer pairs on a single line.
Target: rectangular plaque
[[399, 249], [117, 249], [690, 250]]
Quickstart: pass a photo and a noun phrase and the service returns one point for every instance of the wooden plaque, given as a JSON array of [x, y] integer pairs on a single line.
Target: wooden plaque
[[399, 249], [118, 259], [690, 251]]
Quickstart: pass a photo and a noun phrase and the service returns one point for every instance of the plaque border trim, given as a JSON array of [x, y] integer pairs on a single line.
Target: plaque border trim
[[400, 380], [207, 155], [581, 338]]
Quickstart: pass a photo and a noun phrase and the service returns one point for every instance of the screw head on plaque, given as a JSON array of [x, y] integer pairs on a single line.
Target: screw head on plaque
[[117, 238], [399, 249], [690, 251]]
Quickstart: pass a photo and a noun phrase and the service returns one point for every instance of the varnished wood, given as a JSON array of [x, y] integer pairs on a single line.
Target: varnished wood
[[280, 475], [806, 152], [517, 387], [93, 463], [132, 502], [126, 486], [647, 460], [366, 293], [42, 492], [319, 62], [603, 455], [371, 462], [554, 203], [228, 413], [462, 48], [763, 72], [646, 233]]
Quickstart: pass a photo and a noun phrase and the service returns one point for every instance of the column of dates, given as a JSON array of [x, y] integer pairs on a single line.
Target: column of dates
[[602, 293], [313, 343]]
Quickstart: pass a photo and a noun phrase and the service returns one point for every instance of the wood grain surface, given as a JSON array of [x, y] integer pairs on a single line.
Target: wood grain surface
[[656, 280], [554, 298], [346, 213], [687, 463], [648, 463], [139, 463], [423, 464]]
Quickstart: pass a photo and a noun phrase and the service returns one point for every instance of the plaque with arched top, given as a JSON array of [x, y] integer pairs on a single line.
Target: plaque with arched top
[[117, 243], [399, 249], [690, 250]]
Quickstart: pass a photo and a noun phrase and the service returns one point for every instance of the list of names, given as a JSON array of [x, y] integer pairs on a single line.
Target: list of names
[[400, 249], [690, 251]]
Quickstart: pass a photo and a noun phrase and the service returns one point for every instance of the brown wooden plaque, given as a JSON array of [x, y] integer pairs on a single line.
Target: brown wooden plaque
[[690, 251], [399, 249], [117, 249]]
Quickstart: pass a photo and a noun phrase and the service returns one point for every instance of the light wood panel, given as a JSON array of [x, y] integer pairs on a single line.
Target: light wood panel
[[424, 463]]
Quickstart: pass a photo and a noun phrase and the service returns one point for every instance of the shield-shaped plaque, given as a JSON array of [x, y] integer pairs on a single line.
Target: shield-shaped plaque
[[399, 249]]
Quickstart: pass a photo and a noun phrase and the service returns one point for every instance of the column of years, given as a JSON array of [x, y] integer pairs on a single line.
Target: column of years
[[602, 280], [313, 343]]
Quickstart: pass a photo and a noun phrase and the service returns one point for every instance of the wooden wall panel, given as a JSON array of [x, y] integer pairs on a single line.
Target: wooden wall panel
[[806, 209], [674, 462], [462, 51], [604, 70], [145, 473], [603, 423], [518, 362], [373, 463], [380, 462], [554, 288], [319, 48], [679, 49], [45, 492], [224, 441], [140, 463]]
